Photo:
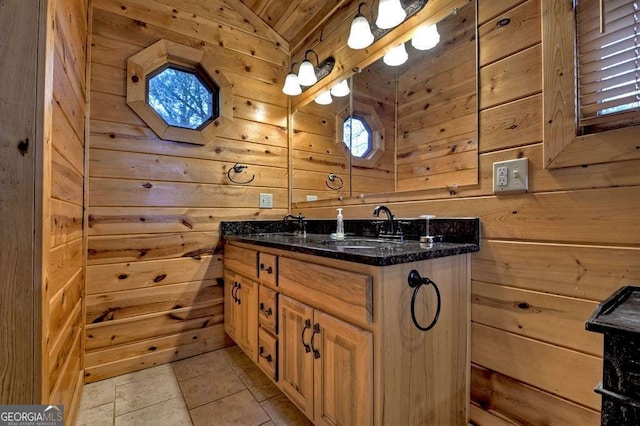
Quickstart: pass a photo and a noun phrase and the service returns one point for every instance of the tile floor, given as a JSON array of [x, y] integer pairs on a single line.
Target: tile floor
[[218, 388]]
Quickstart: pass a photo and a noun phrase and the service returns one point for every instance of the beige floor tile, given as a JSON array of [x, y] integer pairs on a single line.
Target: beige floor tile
[[143, 393], [143, 374], [238, 409], [237, 359], [284, 412], [96, 416], [269, 423], [201, 364], [98, 393], [257, 382], [209, 387], [168, 413]]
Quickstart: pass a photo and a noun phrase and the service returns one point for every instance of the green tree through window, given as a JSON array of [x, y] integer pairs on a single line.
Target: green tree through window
[[182, 98]]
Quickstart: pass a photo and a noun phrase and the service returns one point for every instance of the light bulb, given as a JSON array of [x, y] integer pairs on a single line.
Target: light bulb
[[360, 35], [390, 14], [396, 56], [324, 98], [307, 74], [426, 37], [341, 89], [291, 85]]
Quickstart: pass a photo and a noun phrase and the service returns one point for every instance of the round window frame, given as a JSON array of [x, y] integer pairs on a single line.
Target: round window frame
[[369, 114], [367, 127], [161, 55]]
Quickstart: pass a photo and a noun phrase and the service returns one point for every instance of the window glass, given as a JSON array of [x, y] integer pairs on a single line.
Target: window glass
[[358, 130], [182, 98]]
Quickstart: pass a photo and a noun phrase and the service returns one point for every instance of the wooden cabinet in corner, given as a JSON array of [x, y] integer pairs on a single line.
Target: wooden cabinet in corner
[[241, 312]]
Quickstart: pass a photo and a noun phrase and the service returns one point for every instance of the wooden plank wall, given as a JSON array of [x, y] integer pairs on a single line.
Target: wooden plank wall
[[65, 290], [317, 141], [547, 257], [20, 68], [437, 103], [154, 262]]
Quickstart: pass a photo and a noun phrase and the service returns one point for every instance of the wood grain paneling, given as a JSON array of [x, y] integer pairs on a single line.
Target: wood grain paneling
[[546, 257], [156, 205]]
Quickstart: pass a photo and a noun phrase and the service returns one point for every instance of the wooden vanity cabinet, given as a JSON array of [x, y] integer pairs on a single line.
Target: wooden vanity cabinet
[[344, 346], [241, 312]]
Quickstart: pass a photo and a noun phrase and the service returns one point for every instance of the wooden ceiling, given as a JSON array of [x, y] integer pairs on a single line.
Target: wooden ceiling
[[294, 19]]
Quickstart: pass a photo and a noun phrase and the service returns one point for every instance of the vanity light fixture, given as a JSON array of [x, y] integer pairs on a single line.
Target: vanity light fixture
[[324, 98], [390, 14], [307, 72], [360, 35], [291, 84], [396, 56], [341, 89], [426, 37]]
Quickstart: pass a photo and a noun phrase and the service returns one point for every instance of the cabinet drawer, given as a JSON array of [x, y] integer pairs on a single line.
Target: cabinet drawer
[[345, 294], [268, 269], [268, 309], [268, 354], [241, 260]]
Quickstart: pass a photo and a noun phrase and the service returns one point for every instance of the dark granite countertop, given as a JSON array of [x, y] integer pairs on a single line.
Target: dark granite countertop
[[458, 236]]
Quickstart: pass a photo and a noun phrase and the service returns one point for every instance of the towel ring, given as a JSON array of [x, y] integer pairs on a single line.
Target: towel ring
[[333, 178], [238, 168]]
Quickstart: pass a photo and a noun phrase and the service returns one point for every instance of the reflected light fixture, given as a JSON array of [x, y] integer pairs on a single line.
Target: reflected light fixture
[[324, 98], [390, 14], [360, 35], [291, 84], [341, 89], [307, 72], [396, 56], [426, 37]]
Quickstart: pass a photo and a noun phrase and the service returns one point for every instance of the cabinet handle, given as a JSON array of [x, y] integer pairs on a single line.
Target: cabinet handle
[[233, 291], [238, 301], [316, 330], [307, 325], [267, 357], [264, 268], [268, 312]]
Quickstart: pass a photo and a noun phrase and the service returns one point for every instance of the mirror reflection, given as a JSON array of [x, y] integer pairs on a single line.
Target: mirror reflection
[[404, 127]]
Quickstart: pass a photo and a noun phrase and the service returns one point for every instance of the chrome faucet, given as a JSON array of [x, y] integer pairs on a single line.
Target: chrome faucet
[[300, 219], [376, 213]]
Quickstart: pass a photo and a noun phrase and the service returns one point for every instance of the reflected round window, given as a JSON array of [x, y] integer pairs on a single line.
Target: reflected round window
[[358, 136], [183, 97]]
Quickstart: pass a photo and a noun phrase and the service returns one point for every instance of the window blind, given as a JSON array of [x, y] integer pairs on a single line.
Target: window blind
[[608, 64]]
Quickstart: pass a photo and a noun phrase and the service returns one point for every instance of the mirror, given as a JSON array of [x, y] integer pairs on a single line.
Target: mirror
[[412, 127]]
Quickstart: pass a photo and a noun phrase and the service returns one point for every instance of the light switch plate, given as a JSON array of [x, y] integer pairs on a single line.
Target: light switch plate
[[266, 201], [511, 176]]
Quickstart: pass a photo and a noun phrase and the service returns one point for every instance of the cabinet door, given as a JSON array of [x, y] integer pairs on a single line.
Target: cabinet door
[[230, 287], [343, 378], [296, 363], [247, 317]]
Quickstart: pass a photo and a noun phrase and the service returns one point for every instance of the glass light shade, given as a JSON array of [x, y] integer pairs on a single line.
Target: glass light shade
[[307, 74], [341, 89], [291, 85], [390, 14], [426, 37], [360, 35], [396, 56], [324, 98]]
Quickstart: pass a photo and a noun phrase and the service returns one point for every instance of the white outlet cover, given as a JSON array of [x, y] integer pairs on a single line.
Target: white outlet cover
[[312, 198], [266, 200], [517, 176]]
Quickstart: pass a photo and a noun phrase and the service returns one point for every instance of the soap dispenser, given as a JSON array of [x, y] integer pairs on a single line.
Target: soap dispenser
[[339, 226]]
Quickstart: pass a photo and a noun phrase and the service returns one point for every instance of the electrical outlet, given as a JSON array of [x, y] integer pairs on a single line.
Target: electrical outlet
[[266, 201], [511, 176], [312, 198]]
